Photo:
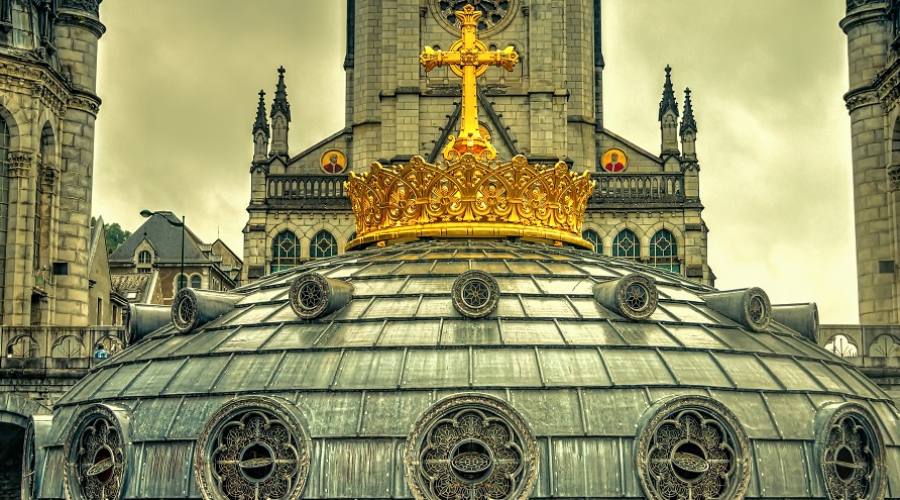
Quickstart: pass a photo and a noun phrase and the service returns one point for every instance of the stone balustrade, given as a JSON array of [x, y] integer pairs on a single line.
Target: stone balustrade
[[611, 188], [49, 349]]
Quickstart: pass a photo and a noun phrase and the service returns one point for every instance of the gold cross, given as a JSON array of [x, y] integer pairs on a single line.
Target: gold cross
[[469, 58]]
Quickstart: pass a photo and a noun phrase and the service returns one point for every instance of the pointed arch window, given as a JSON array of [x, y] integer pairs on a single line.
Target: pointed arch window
[[5, 139], [285, 251], [626, 245], [323, 245], [591, 236], [664, 251]]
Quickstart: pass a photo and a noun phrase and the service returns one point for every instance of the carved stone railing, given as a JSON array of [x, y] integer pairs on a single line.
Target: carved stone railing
[[299, 187], [48, 348], [611, 188], [627, 188]]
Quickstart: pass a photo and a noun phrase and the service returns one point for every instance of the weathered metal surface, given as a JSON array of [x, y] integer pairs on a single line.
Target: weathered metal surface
[[580, 374]]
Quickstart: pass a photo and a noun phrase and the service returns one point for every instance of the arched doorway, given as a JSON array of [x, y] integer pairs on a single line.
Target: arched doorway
[[12, 442]]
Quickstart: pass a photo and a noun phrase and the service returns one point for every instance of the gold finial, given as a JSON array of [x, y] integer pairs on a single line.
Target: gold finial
[[469, 58]]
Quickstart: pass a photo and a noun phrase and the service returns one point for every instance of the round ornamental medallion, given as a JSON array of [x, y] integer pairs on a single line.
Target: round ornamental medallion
[[185, 310], [495, 14], [96, 456], [309, 295], [475, 294], [692, 448], [471, 446], [851, 455], [758, 309], [253, 447], [614, 161], [637, 296]]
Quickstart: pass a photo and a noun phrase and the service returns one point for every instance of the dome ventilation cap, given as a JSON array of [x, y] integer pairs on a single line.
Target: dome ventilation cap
[[633, 296], [194, 308], [313, 295]]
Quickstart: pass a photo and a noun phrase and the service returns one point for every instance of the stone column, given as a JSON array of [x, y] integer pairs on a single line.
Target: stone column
[[19, 278], [893, 181]]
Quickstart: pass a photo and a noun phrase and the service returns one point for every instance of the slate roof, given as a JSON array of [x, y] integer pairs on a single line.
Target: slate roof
[[166, 240], [135, 288], [580, 374]]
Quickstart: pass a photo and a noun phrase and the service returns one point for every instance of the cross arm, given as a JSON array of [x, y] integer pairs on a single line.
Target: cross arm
[[431, 58], [507, 58]]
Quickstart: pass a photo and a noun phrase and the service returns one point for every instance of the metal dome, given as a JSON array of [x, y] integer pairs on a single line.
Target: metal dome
[[442, 369]]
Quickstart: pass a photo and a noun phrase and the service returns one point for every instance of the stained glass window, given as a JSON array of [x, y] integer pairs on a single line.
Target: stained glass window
[[664, 251], [323, 245], [593, 238], [285, 251], [626, 245]]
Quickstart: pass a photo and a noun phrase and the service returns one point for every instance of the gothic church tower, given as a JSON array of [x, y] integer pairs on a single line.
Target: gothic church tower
[[548, 108], [48, 105], [873, 28]]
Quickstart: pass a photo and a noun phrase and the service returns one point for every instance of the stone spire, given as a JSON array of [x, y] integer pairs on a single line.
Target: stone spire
[[261, 130], [688, 130], [668, 118], [688, 124], [281, 117]]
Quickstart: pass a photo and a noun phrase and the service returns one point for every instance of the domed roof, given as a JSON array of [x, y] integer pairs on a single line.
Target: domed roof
[[536, 383]]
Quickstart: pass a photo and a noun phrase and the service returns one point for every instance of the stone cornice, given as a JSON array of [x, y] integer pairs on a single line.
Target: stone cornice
[[863, 11], [80, 18], [43, 83], [888, 85], [83, 101], [861, 97]]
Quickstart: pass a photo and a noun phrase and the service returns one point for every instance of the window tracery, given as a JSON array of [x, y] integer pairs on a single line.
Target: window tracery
[[323, 245], [471, 446], [693, 448], [495, 13], [626, 245], [285, 251], [593, 238], [475, 294], [253, 447], [852, 454], [96, 456], [664, 251]]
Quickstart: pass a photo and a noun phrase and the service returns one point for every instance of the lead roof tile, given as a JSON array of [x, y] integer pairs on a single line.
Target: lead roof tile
[[438, 369], [306, 370], [512, 367]]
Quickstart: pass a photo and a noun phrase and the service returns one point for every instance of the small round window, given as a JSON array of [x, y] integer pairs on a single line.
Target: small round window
[[471, 446], [253, 448], [475, 294], [692, 448]]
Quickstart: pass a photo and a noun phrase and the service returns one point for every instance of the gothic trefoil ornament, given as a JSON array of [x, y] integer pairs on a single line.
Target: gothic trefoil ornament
[[469, 58]]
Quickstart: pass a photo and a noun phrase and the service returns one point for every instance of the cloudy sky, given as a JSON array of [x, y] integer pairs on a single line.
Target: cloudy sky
[[179, 80]]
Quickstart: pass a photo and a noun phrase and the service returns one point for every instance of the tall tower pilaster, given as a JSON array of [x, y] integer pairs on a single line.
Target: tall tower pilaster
[[868, 31], [77, 32]]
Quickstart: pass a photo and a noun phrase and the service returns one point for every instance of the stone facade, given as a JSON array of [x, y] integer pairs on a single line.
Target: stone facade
[[873, 39], [48, 104], [548, 108]]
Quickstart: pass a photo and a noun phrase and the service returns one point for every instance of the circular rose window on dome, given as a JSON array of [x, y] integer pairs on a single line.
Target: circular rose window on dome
[[692, 448], [253, 447], [852, 454], [96, 456], [471, 446], [475, 294]]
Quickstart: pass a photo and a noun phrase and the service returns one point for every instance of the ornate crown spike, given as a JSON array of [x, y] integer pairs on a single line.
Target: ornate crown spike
[[469, 197]]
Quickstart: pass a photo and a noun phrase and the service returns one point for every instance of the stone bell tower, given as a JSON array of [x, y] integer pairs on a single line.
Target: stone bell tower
[[872, 101], [48, 105]]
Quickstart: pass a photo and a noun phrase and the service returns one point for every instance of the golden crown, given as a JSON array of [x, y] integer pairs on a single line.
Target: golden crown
[[469, 197]]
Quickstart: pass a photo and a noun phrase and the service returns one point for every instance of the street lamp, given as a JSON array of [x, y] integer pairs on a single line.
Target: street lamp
[[146, 214]]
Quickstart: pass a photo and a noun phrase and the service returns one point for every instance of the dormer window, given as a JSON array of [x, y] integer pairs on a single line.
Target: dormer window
[[145, 257]]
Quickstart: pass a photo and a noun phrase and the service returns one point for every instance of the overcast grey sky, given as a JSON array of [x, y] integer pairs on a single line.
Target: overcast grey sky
[[179, 80]]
